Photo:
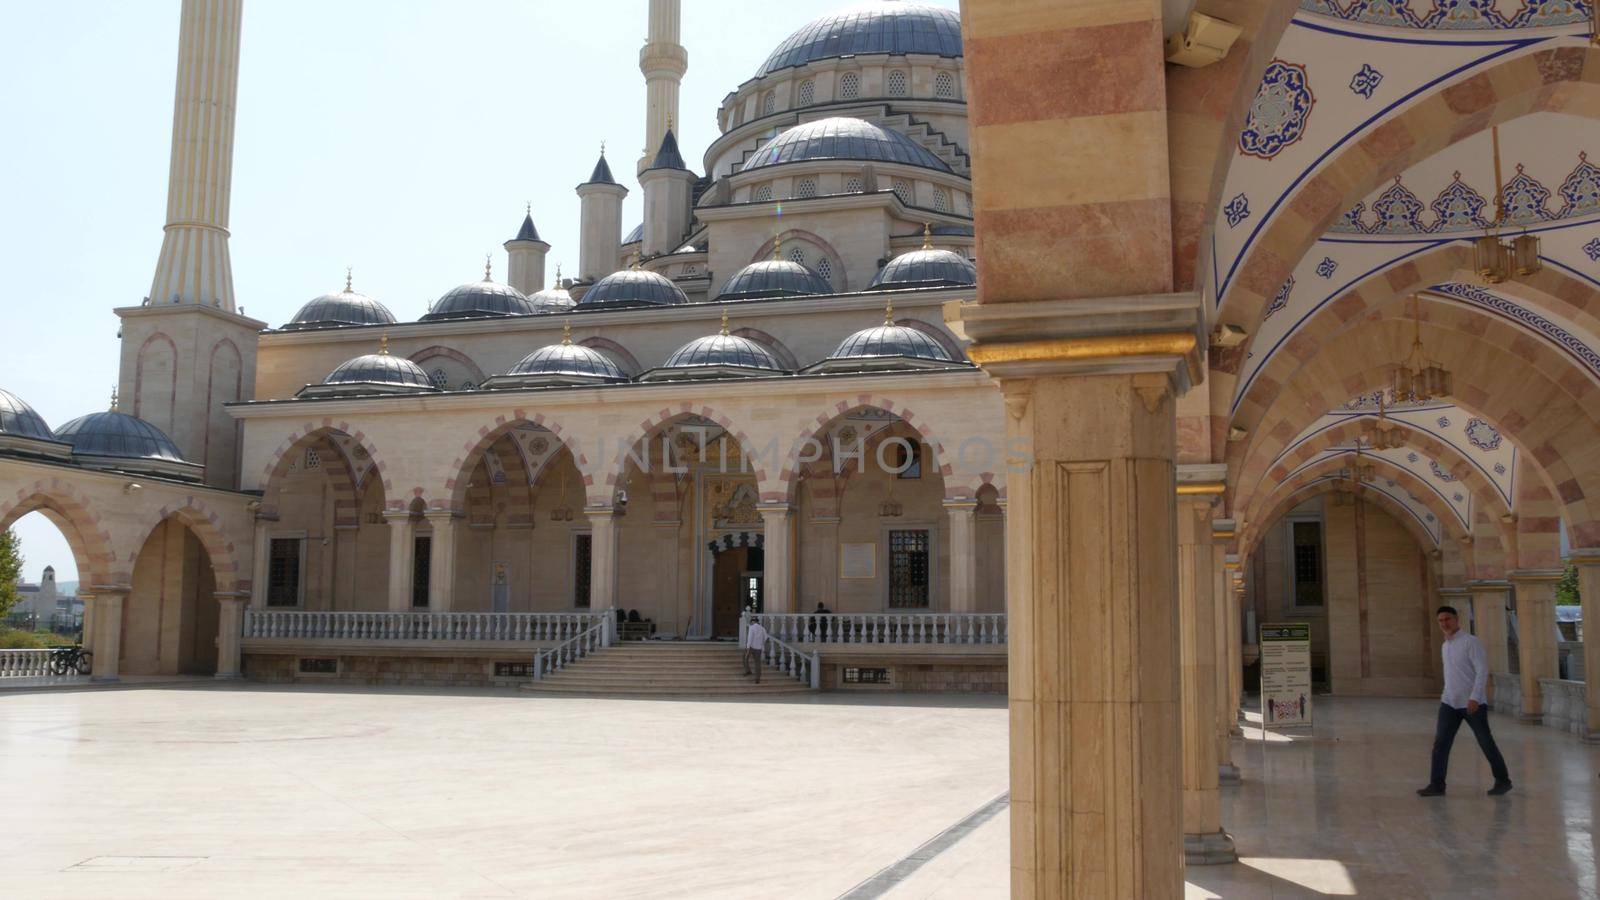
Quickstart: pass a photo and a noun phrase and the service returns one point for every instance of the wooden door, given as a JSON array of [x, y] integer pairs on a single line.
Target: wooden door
[[727, 585]]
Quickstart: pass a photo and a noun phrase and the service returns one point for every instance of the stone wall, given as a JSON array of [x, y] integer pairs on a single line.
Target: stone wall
[[979, 675], [1565, 705], [1507, 695], [445, 671]]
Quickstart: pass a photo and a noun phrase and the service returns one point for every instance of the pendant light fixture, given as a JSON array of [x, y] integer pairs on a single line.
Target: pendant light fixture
[[1494, 259], [1384, 434], [1416, 378]]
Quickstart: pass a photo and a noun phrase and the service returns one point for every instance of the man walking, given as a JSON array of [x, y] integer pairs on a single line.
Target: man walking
[[755, 638], [1466, 674]]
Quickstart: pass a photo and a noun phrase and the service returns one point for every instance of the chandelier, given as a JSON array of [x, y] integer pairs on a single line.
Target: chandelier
[[1496, 260], [1418, 379], [1384, 434]]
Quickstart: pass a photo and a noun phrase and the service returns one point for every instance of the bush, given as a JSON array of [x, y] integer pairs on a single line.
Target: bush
[[17, 639]]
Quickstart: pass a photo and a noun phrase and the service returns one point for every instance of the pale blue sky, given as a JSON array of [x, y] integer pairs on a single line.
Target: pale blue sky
[[399, 137]]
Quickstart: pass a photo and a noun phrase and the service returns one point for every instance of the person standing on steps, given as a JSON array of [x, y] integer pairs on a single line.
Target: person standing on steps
[[755, 638], [1466, 675]]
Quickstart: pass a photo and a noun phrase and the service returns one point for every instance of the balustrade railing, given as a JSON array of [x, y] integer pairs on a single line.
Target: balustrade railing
[[802, 667], [597, 636], [415, 626], [887, 628], [24, 663]]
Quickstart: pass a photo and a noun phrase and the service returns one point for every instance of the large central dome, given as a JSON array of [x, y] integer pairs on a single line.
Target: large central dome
[[842, 137], [897, 28]]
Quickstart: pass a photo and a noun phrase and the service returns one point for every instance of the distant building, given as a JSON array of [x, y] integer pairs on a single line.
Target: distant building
[[45, 604]]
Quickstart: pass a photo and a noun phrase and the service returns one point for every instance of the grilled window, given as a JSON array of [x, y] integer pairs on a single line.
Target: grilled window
[[421, 569], [582, 554], [908, 569], [941, 200], [853, 185], [944, 86], [439, 378], [797, 255], [1307, 563], [849, 86], [769, 104], [762, 194], [807, 187], [897, 83], [808, 92], [902, 189], [283, 572], [313, 460], [825, 269]]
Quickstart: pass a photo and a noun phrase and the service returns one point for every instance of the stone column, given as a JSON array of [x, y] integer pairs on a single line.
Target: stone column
[[442, 559], [963, 555], [1536, 639], [1229, 658], [825, 530], [86, 629], [672, 613], [402, 546], [230, 627], [261, 562], [108, 632], [1204, 841], [1490, 599], [602, 557], [1588, 563], [777, 578]]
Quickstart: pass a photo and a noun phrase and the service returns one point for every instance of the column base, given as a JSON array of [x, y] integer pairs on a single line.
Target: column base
[[1530, 718], [104, 679], [229, 676], [1236, 731], [1215, 849], [1228, 775]]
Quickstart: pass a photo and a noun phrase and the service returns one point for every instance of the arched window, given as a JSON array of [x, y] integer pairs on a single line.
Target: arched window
[[805, 187], [852, 185], [691, 270], [468, 386], [762, 194], [944, 86], [966, 203], [849, 86], [825, 269], [313, 459], [797, 255], [902, 189], [808, 92], [769, 104], [439, 378], [941, 200], [897, 83]]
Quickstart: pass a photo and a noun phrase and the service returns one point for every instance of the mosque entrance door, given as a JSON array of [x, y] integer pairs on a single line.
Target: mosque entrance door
[[736, 584]]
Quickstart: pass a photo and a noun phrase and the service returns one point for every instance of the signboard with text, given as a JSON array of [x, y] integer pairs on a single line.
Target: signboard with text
[[1285, 673]]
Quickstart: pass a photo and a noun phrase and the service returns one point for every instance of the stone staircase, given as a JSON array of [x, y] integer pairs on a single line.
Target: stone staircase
[[665, 668]]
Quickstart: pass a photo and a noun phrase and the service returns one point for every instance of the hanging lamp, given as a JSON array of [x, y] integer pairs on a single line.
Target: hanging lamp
[[1416, 378], [1497, 260]]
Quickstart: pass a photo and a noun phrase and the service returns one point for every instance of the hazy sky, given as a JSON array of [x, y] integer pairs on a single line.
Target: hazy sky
[[400, 137]]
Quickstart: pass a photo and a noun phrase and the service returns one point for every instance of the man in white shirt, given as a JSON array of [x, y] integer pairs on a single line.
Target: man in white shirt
[[1466, 675], [755, 639]]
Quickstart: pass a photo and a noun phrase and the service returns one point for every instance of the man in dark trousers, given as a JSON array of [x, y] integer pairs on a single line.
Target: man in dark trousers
[[1466, 674]]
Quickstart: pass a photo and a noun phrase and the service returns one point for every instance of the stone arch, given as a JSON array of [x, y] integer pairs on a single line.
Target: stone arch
[[165, 395], [789, 478], [840, 279], [618, 353], [439, 351], [1318, 473], [616, 467], [318, 436], [451, 484], [71, 511], [231, 372], [785, 356], [209, 530], [1320, 488], [1544, 80]]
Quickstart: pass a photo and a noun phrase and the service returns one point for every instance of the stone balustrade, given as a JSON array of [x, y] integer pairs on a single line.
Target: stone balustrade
[[599, 634], [802, 667], [1565, 705], [1507, 697], [24, 663], [415, 626], [887, 628]]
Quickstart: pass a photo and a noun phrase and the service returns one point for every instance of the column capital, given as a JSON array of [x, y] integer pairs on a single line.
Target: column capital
[[1488, 584], [602, 512], [111, 590], [774, 509], [397, 515], [1535, 576], [1584, 556], [434, 515], [262, 517], [961, 505], [224, 596], [1457, 591], [1223, 530]]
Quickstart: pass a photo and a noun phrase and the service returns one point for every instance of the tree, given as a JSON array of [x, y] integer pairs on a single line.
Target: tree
[[10, 571], [1567, 588]]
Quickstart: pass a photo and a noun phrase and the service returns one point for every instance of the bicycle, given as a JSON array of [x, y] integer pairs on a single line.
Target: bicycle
[[67, 659]]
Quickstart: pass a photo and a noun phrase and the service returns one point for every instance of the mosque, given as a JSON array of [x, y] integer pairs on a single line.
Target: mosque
[[1051, 348]]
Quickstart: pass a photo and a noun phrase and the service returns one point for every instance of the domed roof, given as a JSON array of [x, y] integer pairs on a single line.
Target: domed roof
[[774, 278], [17, 419], [551, 300], [568, 360], [348, 307], [926, 268], [841, 137], [723, 350], [633, 287], [381, 369], [888, 340], [480, 299], [897, 28], [120, 436]]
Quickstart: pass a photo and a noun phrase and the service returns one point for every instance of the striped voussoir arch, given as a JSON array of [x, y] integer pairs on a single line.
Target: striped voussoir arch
[[456, 479], [209, 530], [90, 541], [314, 436], [820, 423], [660, 419]]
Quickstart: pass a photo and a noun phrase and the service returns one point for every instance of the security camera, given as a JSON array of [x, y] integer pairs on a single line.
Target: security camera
[[622, 498]]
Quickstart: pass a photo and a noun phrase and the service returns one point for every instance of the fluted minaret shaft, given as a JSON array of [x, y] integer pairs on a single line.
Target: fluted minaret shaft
[[663, 62], [194, 266]]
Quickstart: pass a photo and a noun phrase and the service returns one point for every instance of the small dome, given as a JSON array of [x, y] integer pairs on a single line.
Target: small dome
[[634, 236], [381, 369], [120, 436], [724, 350], [843, 138], [895, 28], [774, 278], [551, 300], [892, 341], [568, 361], [480, 299], [335, 310], [926, 268], [17, 419], [633, 287]]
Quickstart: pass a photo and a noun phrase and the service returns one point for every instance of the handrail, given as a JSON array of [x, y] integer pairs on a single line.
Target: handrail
[[596, 637], [803, 667], [25, 663], [414, 626], [887, 628]]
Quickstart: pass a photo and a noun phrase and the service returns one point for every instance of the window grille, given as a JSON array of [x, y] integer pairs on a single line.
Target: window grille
[[797, 255], [439, 378], [769, 104], [825, 269], [421, 571], [1307, 563], [808, 92], [944, 86], [849, 86], [941, 200], [897, 83], [908, 569], [763, 193], [807, 187], [582, 553], [283, 572], [313, 460], [853, 185], [902, 189]]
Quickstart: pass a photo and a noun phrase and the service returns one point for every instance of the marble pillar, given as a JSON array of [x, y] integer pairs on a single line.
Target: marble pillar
[[446, 525], [1588, 563], [674, 611], [261, 561], [86, 629], [402, 546], [1489, 602], [107, 649], [1204, 841], [1229, 661], [963, 555], [230, 628], [777, 578], [1536, 635], [602, 557]]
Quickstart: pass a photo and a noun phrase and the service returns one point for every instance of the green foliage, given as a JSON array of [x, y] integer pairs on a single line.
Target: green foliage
[[18, 639], [10, 570], [1567, 587]]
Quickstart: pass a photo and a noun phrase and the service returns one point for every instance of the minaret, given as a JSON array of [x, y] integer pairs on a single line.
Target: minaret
[[525, 254], [600, 222], [663, 62], [188, 350], [194, 266], [668, 194]]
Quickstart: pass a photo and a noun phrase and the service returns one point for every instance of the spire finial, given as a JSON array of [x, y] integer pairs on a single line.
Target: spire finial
[[927, 236], [888, 313], [349, 275], [602, 148], [669, 123], [777, 246], [488, 267], [383, 344], [113, 398], [557, 285], [724, 321], [530, 207], [566, 334]]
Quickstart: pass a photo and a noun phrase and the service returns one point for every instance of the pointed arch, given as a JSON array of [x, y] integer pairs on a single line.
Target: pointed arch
[[71, 511], [804, 448], [450, 485]]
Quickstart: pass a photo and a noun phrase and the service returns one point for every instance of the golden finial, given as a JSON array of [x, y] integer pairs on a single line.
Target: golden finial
[[349, 274], [927, 236], [602, 148], [113, 398], [777, 246], [488, 261], [566, 334], [724, 322], [888, 313], [557, 285], [383, 344], [530, 208], [669, 123]]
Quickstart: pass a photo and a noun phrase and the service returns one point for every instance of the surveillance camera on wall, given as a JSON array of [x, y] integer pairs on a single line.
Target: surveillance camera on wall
[[622, 498]]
